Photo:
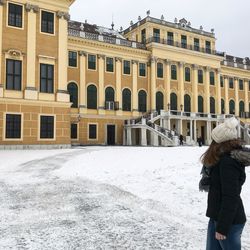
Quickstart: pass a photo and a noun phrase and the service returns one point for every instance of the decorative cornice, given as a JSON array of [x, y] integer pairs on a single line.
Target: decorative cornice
[[99, 56], [30, 7], [14, 53], [118, 59], [61, 14], [82, 53]]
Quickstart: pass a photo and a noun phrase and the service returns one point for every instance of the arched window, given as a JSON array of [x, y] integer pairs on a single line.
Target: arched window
[[142, 101], [73, 93], [187, 103], [109, 94], [91, 97], [159, 101], [222, 106], [173, 101], [200, 104], [241, 107], [159, 70], [187, 74], [231, 107], [173, 72], [212, 105], [126, 100]]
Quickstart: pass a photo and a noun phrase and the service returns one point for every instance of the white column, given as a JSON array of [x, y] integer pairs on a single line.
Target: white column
[[195, 88], [167, 84], [101, 92], [135, 88], [153, 83], [143, 134], [82, 89], [118, 75], [129, 136], [181, 84]]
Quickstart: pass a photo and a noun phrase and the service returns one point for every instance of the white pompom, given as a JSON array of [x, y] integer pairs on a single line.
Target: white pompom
[[231, 123]]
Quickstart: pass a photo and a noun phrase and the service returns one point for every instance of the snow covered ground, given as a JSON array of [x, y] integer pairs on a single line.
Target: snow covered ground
[[105, 198]]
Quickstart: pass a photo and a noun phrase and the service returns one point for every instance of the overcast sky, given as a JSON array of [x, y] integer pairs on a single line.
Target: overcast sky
[[229, 18]]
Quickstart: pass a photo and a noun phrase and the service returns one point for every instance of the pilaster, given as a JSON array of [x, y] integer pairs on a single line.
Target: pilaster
[[101, 69], [153, 83], [207, 90], [246, 88], [82, 66], [1, 46], [31, 90], [181, 84], [226, 95], [167, 83], [236, 87], [118, 74], [62, 93], [195, 88], [134, 88], [218, 92]]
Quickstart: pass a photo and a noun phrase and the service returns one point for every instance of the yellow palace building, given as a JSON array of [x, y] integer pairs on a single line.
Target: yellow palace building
[[65, 82]]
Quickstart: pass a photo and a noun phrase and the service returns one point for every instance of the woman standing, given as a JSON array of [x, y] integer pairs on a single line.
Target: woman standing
[[226, 159]]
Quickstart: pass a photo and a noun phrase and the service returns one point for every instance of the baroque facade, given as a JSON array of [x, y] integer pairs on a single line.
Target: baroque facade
[[64, 82]]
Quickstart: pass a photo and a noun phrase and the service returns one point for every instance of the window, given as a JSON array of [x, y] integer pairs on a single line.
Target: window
[[46, 78], [200, 104], [212, 105], [208, 47], [200, 76], [126, 67], [241, 108], [173, 101], [46, 127], [173, 72], [92, 62], [142, 101], [187, 103], [231, 107], [72, 59], [126, 100], [184, 42], [159, 70], [109, 64], [142, 69], [241, 85], [15, 15], [73, 93], [211, 74], [159, 101], [13, 74], [231, 83], [170, 38], [13, 126], [156, 35], [73, 131], [187, 74], [92, 97], [143, 36], [196, 44], [109, 94], [221, 81], [47, 22], [92, 131]]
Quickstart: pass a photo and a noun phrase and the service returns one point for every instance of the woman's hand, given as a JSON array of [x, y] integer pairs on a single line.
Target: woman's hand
[[219, 236]]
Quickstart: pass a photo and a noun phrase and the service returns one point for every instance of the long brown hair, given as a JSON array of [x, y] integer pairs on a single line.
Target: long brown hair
[[216, 150]]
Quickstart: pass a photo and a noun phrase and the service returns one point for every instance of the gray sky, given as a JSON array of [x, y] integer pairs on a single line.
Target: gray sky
[[229, 18]]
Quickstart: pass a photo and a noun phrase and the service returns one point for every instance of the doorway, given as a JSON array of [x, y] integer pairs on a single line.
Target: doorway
[[111, 134]]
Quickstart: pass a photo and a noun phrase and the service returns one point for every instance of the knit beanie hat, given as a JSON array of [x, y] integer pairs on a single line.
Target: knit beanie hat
[[226, 131]]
